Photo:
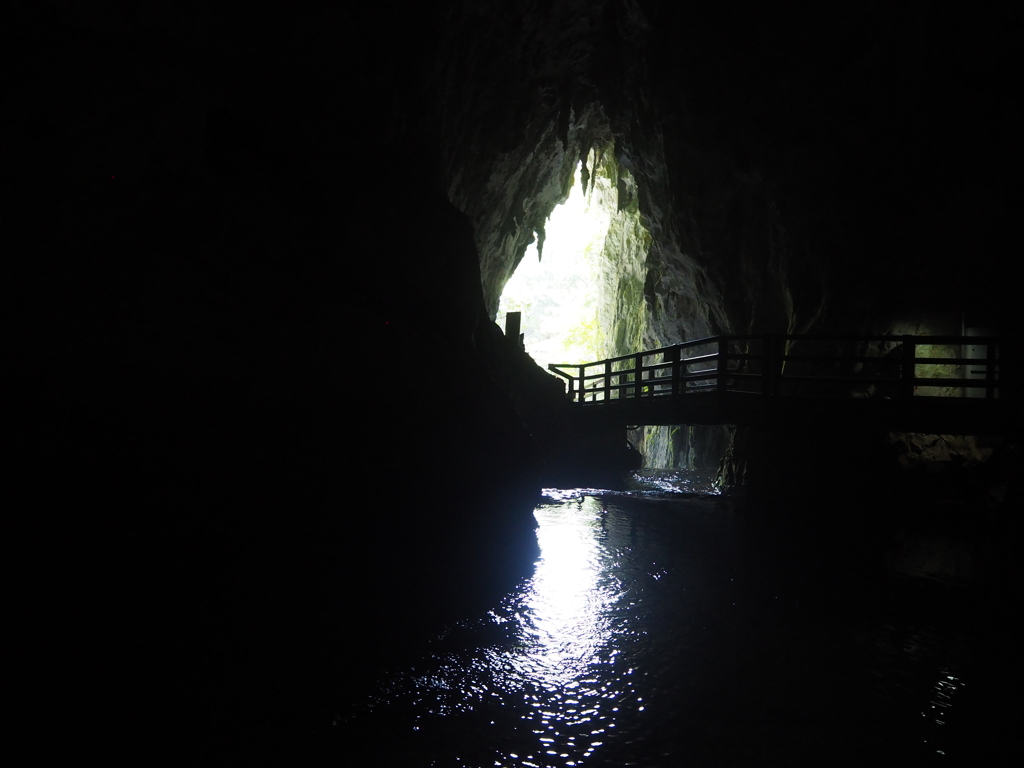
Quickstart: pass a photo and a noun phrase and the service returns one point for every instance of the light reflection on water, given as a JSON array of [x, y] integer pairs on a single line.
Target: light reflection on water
[[567, 628], [559, 661], [566, 603]]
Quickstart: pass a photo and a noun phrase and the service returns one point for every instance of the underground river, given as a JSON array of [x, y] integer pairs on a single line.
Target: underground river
[[667, 625]]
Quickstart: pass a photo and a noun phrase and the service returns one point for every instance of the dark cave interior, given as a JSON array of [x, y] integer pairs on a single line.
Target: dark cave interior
[[259, 251]]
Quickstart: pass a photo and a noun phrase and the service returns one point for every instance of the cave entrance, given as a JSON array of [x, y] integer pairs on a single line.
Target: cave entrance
[[557, 288]]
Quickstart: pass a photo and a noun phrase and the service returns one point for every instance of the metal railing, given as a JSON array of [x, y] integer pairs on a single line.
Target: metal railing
[[787, 365]]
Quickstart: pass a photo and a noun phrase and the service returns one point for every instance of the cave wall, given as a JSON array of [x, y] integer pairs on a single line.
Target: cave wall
[[813, 170], [249, 357], [842, 170], [871, 142]]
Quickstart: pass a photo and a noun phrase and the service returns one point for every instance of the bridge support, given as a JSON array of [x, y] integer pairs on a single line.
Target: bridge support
[[774, 353]]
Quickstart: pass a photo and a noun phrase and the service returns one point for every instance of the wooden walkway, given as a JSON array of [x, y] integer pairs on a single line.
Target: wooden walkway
[[937, 384]]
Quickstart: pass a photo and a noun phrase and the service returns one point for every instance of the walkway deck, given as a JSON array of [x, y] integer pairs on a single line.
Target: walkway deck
[[937, 384]]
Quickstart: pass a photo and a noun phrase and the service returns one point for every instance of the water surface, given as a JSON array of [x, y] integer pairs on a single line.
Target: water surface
[[668, 626]]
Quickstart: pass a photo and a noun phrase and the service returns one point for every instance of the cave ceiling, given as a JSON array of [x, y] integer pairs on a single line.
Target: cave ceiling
[[798, 167]]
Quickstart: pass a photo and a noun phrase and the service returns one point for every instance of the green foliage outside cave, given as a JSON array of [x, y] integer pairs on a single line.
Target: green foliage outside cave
[[561, 296], [597, 309]]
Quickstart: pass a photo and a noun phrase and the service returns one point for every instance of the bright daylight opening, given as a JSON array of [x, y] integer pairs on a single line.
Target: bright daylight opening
[[558, 293]]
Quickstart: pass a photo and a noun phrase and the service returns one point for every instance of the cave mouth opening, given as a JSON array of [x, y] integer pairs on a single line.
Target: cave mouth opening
[[557, 284]]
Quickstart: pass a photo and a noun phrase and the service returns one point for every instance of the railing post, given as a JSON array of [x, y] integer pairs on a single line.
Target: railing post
[[909, 367], [583, 387], [991, 356], [638, 375], [607, 380], [1010, 368], [780, 341], [723, 362], [673, 357], [513, 322], [770, 364]]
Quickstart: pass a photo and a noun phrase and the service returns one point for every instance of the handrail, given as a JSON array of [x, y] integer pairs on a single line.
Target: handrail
[[890, 373], [681, 345]]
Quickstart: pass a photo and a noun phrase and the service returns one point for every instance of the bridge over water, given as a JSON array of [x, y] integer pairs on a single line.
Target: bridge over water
[[934, 384]]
